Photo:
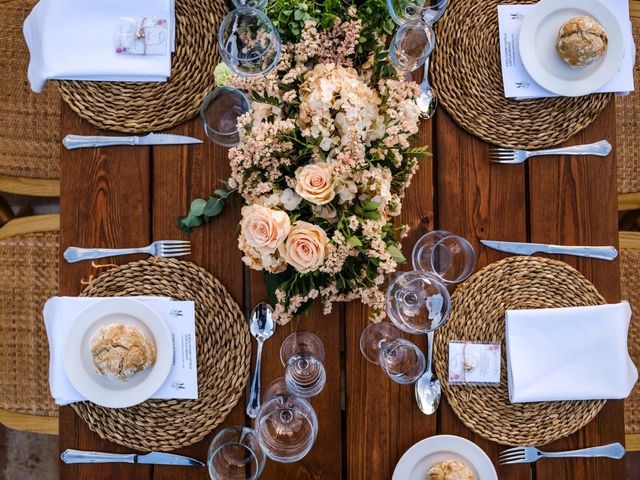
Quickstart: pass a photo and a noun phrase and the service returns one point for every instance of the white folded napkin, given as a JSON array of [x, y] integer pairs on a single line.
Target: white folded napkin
[[518, 83], [75, 40], [577, 353], [182, 382]]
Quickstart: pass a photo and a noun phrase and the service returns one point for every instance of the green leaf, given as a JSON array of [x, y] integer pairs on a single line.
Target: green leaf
[[298, 14], [354, 241], [396, 254], [273, 280], [222, 193], [192, 221], [213, 207], [371, 206], [197, 207]]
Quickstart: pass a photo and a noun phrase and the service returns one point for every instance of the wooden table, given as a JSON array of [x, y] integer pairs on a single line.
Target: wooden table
[[129, 196]]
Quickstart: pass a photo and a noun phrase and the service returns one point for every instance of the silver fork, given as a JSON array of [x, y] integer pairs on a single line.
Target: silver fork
[[161, 248], [511, 156], [532, 454]]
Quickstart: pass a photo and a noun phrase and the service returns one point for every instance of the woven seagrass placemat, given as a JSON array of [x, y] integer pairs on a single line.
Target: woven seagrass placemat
[[478, 315], [29, 122], [141, 107], [223, 356], [467, 78]]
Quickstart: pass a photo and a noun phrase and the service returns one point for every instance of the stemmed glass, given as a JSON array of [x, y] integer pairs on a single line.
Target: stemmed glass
[[411, 45], [249, 43], [382, 344], [287, 427], [403, 11], [450, 257], [302, 354], [235, 454]]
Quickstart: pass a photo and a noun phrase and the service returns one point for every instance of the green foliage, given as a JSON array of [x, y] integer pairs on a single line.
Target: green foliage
[[202, 211]]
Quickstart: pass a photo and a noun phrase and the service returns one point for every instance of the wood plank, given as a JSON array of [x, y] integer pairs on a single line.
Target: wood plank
[[38, 187], [382, 418], [477, 200], [573, 201], [180, 174], [30, 224], [324, 461], [29, 423], [105, 202]]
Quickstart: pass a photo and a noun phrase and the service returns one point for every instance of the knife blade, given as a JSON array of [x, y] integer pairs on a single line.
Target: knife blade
[[153, 458], [522, 248], [86, 141]]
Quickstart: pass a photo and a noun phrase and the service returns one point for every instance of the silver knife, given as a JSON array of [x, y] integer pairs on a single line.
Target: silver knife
[[86, 141], [155, 458], [602, 253]]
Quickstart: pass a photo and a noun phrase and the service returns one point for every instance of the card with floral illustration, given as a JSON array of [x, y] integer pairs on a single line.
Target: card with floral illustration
[[474, 363], [142, 36]]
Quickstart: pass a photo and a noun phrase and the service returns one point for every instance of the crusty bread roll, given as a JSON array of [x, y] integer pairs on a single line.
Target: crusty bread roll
[[120, 351], [581, 41], [449, 470]]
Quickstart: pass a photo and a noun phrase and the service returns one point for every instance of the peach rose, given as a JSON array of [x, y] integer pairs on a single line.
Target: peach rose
[[305, 247], [264, 229], [314, 183]]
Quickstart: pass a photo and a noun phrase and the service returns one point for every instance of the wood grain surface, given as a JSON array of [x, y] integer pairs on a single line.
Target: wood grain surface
[[129, 196]]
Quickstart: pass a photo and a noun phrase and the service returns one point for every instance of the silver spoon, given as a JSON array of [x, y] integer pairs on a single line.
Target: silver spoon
[[261, 327], [427, 387], [427, 101]]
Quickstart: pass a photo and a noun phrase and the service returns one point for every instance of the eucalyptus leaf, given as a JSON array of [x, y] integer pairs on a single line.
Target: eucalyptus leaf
[[213, 207], [197, 207]]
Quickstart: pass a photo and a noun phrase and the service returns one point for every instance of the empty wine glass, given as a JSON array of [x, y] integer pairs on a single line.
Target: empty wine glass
[[411, 45], [403, 11], [249, 43], [235, 454], [450, 257], [219, 114], [302, 354], [418, 302], [382, 344], [287, 427]]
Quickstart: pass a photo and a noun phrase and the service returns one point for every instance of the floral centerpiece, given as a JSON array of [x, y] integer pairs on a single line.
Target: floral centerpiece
[[324, 157]]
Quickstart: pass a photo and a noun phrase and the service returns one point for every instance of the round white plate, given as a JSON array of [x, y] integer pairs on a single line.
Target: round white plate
[[416, 461], [78, 361], [538, 37]]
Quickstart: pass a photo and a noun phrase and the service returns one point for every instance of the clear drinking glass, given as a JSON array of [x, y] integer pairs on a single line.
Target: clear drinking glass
[[235, 454], [418, 302], [382, 344], [450, 257], [219, 113], [249, 43], [403, 11], [287, 427], [302, 354], [411, 45]]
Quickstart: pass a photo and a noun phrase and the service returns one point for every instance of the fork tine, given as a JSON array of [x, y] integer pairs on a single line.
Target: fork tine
[[512, 456], [175, 242], [179, 254], [174, 247], [511, 462], [501, 155], [500, 149], [511, 450]]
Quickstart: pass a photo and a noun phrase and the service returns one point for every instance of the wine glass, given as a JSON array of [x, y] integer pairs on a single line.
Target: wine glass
[[382, 344], [235, 454], [287, 427], [302, 354], [411, 45], [219, 114], [418, 302], [403, 11], [450, 257], [248, 42]]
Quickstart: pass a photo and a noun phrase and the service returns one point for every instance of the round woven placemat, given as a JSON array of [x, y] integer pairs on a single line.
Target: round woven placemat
[[467, 78], [223, 349], [478, 315], [142, 107]]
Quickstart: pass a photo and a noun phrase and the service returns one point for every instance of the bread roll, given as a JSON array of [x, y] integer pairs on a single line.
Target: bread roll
[[581, 41]]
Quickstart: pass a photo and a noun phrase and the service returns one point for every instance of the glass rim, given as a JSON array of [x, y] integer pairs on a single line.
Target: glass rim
[[215, 93], [467, 246], [255, 458], [398, 20]]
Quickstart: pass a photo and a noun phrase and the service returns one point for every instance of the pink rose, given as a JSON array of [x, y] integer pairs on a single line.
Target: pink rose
[[314, 183], [305, 247], [264, 229]]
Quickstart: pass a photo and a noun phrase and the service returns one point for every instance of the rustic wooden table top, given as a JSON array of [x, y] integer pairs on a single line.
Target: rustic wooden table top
[[129, 196]]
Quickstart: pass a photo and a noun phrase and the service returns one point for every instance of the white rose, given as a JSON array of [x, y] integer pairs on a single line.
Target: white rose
[[305, 247], [290, 199], [314, 183], [264, 229]]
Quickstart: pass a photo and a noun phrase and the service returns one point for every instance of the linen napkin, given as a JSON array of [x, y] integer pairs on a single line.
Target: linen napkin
[[576, 353], [182, 382], [75, 40], [518, 83]]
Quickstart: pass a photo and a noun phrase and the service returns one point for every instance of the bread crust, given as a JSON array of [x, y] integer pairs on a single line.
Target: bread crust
[[581, 41]]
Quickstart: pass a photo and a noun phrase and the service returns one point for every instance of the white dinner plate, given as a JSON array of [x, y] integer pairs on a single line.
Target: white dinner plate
[[416, 461], [538, 38], [78, 361]]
